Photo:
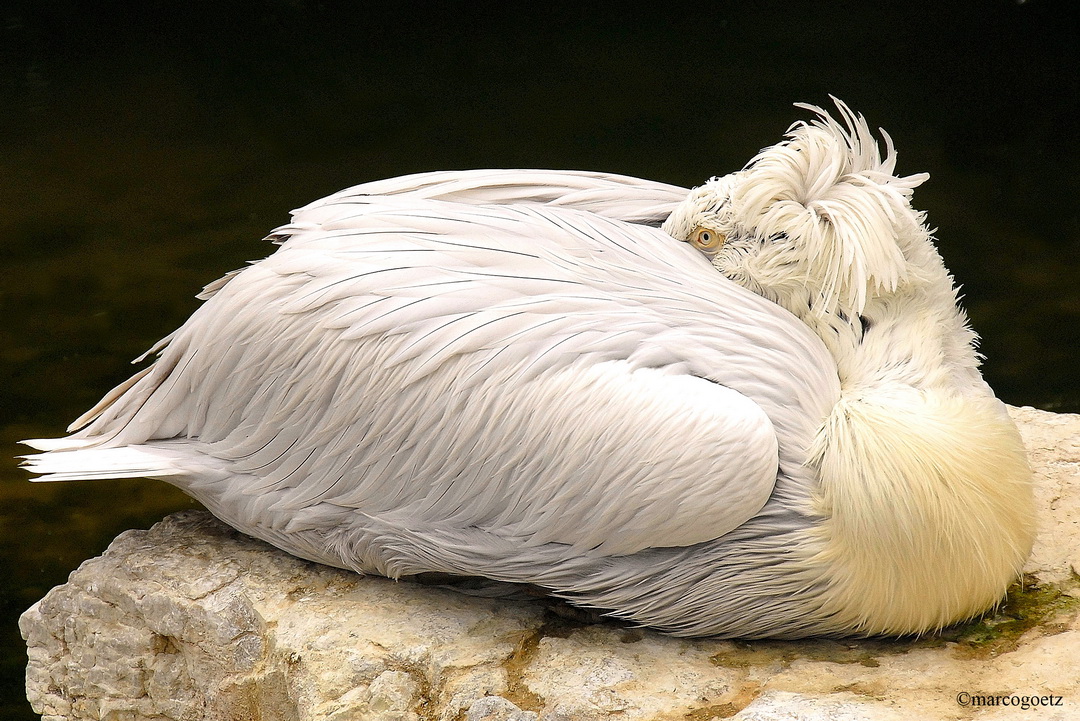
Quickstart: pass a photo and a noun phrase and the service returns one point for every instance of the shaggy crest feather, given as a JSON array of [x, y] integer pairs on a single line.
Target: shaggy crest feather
[[827, 191]]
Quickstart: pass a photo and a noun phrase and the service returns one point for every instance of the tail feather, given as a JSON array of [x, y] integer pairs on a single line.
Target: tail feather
[[91, 464], [56, 444]]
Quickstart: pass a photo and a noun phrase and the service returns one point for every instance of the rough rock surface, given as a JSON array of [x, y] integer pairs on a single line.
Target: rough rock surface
[[190, 620]]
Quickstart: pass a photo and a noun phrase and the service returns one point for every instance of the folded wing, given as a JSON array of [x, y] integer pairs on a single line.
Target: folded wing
[[537, 373]]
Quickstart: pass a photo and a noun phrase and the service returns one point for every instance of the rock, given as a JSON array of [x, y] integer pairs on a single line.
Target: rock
[[191, 620]]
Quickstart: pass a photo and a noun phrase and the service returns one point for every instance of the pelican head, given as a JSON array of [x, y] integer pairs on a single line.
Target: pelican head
[[817, 223]]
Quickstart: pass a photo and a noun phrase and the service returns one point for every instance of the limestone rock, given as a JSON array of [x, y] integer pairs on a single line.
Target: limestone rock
[[191, 620]]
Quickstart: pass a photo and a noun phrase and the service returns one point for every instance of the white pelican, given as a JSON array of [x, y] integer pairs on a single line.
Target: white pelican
[[777, 428]]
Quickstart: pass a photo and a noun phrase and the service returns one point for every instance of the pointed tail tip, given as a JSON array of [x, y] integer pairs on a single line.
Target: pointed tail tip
[[55, 444], [70, 460]]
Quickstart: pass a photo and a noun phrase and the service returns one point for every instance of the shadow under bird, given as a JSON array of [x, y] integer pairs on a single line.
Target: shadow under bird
[[752, 409]]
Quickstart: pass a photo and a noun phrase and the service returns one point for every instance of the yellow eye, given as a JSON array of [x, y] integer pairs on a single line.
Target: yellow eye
[[706, 239]]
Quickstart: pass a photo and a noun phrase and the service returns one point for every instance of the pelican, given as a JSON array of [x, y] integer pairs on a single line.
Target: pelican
[[753, 409]]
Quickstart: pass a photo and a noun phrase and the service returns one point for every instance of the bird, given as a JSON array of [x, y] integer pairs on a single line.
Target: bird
[[752, 409]]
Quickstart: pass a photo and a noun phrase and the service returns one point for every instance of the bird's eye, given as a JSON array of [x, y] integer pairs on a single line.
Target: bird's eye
[[706, 239]]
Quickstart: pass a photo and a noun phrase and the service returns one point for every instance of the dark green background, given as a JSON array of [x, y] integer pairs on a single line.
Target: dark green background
[[146, 147]]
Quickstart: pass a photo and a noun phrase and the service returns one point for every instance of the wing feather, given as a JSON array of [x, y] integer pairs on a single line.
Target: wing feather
[[537, 373], [622, 197]]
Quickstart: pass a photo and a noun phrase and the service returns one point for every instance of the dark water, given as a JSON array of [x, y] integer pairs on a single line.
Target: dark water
[[146, 147]]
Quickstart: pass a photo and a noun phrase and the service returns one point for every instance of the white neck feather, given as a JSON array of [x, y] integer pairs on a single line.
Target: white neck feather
[[913, 337], [925, 488]]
